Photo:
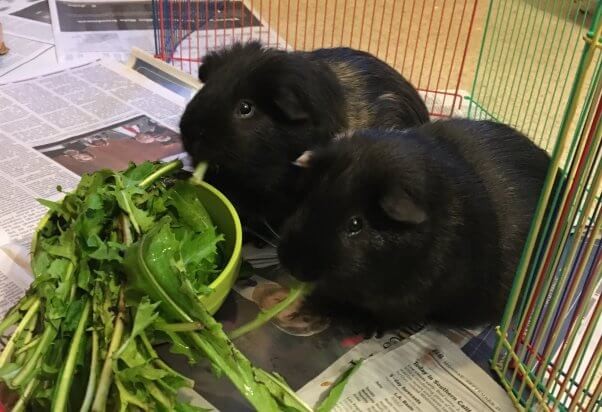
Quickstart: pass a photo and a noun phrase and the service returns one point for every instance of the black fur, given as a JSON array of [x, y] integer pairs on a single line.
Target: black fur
[[300, 103], [446, 208]]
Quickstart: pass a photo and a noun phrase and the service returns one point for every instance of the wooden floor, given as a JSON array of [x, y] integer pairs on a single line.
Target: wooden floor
[[524, 83]]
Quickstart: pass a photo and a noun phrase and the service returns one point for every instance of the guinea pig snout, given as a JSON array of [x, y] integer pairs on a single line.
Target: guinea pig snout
[[298, 260]]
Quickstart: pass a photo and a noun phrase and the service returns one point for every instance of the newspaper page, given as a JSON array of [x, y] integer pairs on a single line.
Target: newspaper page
[[163, 74], [93, 29], [101, 138], [426, 372], [58, 126], [86, 29], [27, 34]]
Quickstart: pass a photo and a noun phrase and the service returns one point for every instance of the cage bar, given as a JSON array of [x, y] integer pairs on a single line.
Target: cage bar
[[433, 58], [549, 351]]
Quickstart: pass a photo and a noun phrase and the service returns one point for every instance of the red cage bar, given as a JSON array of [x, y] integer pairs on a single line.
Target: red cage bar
[[427, 41]]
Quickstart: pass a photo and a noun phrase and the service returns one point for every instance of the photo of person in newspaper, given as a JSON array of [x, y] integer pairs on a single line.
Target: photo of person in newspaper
[[135, 140], [292, 320]]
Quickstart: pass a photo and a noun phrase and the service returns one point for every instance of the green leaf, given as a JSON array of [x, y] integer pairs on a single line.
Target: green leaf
[[65, 246], [337, 388], [73, 315], [179, 346], [186, 407], [137, 173], [52, 206], [132, 355], [142, 372], [40, 261], [146, 314], [140, 219], [126, 397], [184, 197], [9, 371], [104, 250], [148, 265], [90, 222], [83, 275]]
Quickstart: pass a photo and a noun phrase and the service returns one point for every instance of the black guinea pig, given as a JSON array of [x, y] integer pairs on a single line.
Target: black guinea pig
[[421, 225], [260, 108]]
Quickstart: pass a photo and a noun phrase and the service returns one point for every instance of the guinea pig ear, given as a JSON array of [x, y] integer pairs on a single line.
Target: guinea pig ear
[[399, 206], [290, 105], [208, 66], [304, 160]]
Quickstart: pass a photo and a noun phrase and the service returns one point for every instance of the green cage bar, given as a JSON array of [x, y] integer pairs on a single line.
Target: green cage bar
[[548, 84]]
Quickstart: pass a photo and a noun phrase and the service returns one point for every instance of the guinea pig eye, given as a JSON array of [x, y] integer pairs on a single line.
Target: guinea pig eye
[[354, 226], [245, 109]]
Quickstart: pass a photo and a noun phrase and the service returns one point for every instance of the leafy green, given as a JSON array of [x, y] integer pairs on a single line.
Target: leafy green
[[336, 391], [120, 262], [297, 291]]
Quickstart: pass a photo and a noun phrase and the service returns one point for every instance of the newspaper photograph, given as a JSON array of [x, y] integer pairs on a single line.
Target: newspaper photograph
[[134, 140]]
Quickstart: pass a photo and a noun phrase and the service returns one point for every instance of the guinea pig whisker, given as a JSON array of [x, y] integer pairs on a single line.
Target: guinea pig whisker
[[276, 235], [264, 238]]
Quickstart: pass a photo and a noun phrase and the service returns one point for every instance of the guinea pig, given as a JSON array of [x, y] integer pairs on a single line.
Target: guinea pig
[[414, 226], [260, 108]]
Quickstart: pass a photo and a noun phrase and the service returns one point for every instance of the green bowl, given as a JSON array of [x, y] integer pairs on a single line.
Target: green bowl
[[226, 220]]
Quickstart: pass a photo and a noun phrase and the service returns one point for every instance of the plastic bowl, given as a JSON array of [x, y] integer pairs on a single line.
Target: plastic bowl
[[226, 219]]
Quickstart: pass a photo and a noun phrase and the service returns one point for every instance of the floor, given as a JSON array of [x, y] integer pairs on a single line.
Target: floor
[[530, 57]]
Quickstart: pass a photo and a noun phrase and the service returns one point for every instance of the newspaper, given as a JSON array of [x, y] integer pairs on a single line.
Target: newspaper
[[93, 29], [426, 372], [56, 127], [86, 29], [27, 33], [163, 74]]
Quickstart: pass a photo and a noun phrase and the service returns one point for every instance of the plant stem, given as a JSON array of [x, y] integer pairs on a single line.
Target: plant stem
[[104, 383], [279, 389], [9, 321], [10, 346], [264, 316], [59, 400], [27, 342], [24, 397], [159, 362], [335, 392], [124, 226], [199, 173], [239, 370], [30, 369], [167, 168], [91, 387], [179, 327], [159, 396]]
